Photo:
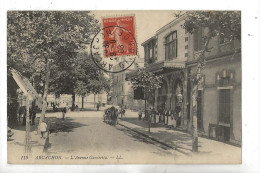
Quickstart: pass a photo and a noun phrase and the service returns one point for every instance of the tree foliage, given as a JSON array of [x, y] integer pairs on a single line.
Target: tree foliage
[[146, 80], [226, 24], [45, 46], [36, 38]]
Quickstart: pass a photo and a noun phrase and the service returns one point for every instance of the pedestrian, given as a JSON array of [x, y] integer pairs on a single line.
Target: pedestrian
[[165, 116], [178, 115], [151, 114], [64, 110], [53, 106], [123, 113], [43, 129], [98, 105], [140, 113], [33, 115]]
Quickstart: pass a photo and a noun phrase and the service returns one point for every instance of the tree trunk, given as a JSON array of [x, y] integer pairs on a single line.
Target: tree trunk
[[73, 101], [45, 92], [149, 122], [94, 100], [28, 127], [82, 106], [200, 65], [194, 119]]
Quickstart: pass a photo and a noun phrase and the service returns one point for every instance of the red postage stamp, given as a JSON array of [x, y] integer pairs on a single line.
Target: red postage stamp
[[119, 36]]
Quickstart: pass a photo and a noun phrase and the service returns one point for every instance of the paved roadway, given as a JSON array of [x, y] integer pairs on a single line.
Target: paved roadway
[[84, 138]]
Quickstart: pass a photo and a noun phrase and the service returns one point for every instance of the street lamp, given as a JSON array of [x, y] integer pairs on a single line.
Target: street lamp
[[179, 97]]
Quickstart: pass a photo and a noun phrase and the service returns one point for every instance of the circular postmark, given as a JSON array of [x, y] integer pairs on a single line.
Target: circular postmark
[[113, 49]]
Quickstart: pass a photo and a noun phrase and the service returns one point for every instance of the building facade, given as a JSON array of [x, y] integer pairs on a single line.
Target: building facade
[[173, 53], [122, 92]]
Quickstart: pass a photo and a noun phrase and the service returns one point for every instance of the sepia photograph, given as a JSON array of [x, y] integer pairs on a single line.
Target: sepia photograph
[[124, 87]]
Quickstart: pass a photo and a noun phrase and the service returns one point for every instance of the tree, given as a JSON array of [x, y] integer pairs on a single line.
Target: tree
[[39, 43], [149, 82], [89, 78], [226, 24]]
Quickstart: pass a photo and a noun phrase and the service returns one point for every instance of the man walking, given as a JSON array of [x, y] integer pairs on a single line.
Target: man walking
[[98, 105], [64, 110]]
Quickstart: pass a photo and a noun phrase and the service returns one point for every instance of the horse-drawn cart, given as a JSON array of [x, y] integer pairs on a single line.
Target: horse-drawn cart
[[110, 115]]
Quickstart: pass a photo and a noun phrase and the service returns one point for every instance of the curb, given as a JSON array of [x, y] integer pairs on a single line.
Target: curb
[[175, 147]]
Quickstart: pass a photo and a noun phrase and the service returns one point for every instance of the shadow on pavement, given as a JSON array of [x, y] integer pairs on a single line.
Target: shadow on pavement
[[54, 125], [166, 135], [59, 125], [141, 123], [138, 137], [23, 127]]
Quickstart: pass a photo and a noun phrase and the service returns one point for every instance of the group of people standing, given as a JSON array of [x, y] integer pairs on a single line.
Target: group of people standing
[[166, 115], [163, 115], [32, 114]]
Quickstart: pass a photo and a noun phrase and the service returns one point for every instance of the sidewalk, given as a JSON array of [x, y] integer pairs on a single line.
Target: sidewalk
[[16, 145], [210, 151]]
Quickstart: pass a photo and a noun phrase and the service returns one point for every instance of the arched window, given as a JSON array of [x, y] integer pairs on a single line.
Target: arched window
[[171, 46]]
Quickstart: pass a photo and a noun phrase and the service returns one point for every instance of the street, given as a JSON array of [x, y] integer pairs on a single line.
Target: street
[[84, 134]]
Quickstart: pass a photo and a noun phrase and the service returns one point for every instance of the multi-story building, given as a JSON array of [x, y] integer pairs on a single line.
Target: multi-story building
[[122, 92], [172, 52]]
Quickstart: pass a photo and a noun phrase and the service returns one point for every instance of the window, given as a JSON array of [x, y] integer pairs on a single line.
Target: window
[[150, 52], [171, 46], [224, 106], [198, 42]]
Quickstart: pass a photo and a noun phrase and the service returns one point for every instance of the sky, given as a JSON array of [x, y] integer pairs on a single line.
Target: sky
[[146, 24]]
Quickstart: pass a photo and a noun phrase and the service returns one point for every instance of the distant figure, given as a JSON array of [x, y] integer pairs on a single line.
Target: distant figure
[[123, 113], [43, 129], [113, 108], [64, 110], [53, 106], [98, 105], [140, 113], [22, 114]]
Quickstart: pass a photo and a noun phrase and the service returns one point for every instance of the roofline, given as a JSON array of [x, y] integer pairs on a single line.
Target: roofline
[[165, 27], [175, 21], [148, 40]]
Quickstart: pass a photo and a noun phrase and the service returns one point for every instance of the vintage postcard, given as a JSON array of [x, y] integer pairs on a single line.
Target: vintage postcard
[[124, 87]]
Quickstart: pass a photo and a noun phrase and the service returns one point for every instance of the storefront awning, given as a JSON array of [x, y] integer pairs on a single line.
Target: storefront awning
[[160, 67], [26, 87]]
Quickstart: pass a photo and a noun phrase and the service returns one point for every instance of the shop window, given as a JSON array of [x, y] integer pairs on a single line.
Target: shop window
[[171, 46]]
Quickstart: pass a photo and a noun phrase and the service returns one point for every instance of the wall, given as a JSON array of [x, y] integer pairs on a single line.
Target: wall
[[211, 93], [180, 42]]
